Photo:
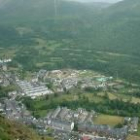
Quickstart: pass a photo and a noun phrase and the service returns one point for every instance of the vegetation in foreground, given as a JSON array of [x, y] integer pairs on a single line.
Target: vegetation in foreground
[[13, 130]]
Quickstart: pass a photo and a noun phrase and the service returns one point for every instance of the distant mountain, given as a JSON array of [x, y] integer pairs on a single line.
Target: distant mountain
[[99, 5], [86, 1], [45, 16], [120, 25], [29, 10]]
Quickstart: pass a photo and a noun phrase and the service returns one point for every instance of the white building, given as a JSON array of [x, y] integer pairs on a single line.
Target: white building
[[5, 60], [61, 125], [33, 91]]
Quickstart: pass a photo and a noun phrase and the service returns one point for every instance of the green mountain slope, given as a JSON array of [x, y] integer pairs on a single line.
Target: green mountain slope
[[52, 39], [12, 130], [118, 33]]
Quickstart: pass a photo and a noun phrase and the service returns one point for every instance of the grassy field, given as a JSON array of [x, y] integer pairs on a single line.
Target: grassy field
[[92, 98], [40, 113], [8, 53], [124, 97], [88, 73], [132, 137], [112, 96], [135, 100], [108, 120], [128, 97]]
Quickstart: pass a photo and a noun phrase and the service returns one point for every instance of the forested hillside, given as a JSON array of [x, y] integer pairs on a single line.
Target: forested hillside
[[44, 34]]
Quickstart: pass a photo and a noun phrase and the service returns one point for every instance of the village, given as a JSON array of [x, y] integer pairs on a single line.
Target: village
[[61, 123], [56, 81]]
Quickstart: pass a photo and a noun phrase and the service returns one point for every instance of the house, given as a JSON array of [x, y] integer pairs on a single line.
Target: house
[[5, 61], [1, 107], [41, 73], [69, 83], [61, 125], [127, 119], [5, 82], [56, 112], [1, 79], [80, 115], [64, 111], [56, 71], [35, 79], [85, 138], [12, 93], [134, 124]]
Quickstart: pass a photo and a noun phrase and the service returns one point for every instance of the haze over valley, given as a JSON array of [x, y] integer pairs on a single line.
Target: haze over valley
[[79, 57]]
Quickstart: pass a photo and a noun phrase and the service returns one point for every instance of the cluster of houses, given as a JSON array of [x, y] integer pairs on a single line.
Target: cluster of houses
[[104, 131], [85, 124], [3, 63], [60, 81], [4, 81], [63, 121], [64, 80], [14, 110], [80, 115]]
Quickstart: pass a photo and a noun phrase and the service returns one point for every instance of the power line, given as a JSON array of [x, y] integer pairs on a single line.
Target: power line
[[55, 8]]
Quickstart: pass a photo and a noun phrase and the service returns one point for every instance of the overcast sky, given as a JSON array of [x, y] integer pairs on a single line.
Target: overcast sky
[[110, 1]]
